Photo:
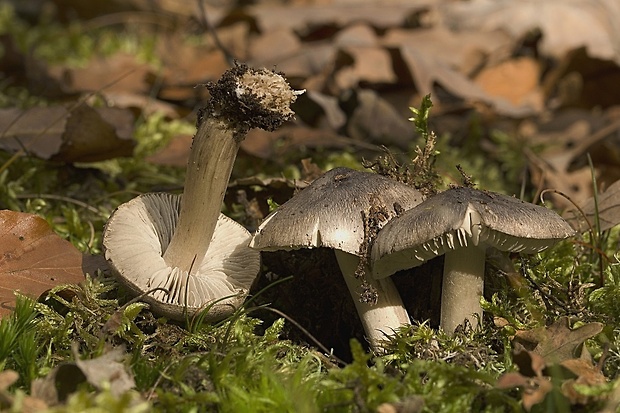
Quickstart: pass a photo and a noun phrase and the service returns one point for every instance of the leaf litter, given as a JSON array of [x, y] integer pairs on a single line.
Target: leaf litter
[[364, 65]]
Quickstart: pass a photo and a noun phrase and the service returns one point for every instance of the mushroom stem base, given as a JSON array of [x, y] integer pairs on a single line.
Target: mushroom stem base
[[462, 287], [382, 318]]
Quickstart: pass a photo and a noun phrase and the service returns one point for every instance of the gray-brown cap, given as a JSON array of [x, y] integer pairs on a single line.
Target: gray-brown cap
[[328, 213], [341, 210], [137, 234], [461, 217], [461, 223]]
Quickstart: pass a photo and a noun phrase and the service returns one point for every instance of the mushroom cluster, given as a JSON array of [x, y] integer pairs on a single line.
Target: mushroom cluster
[[181, 249], [462, 223], [185, 256]]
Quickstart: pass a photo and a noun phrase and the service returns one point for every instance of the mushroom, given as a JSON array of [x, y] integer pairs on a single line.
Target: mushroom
[[461, 223], [342, 210], [183, 247]]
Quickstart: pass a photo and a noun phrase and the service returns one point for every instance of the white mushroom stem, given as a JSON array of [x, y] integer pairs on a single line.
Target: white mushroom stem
[[463, 284], [386, 315], [212, 157]]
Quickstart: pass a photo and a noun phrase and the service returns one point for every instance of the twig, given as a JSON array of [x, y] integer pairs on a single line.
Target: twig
[[204, 20], [303, 330]]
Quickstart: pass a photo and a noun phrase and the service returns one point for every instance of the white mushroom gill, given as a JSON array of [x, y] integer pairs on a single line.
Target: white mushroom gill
[[134, 237]]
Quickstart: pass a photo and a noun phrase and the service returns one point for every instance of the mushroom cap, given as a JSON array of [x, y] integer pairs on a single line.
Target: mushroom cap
[[459, 217], [328, 213], [137, 234]]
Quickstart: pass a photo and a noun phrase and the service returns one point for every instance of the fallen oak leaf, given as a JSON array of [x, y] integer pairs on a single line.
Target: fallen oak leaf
[[557, 342], [33, 258]]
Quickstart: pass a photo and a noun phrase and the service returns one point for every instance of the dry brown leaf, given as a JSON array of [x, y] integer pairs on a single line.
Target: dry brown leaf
[[176, 152], [309, 66], [282, 50], [117, 73], [579, 80], [107, 369], [79, 134], [264, 145], [304, 18], [568, 137], [465, 51], [374, 120], [410, 404], [557, 342], [565, 24], [530, 364], [271, 47], [34, 258], [427, 71], [320, 111], [515, 80], [608, 208], [358, 35], [585, 374], [530, 378], [370, 65], [27, 403], [186, 65], [436, 55], [274, 145], [146, 105], [64, 379], [537, 378]]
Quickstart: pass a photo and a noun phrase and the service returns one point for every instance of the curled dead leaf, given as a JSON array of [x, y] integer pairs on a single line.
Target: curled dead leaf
[[78, 134]]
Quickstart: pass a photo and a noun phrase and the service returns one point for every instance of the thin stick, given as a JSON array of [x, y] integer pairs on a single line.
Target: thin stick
[[204, 20], [303, 330]]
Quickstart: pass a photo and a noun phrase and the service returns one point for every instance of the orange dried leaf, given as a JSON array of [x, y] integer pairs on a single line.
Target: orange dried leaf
[[33, 258]]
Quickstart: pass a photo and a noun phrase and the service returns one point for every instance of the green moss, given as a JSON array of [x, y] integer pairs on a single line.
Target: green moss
[[73, 44]]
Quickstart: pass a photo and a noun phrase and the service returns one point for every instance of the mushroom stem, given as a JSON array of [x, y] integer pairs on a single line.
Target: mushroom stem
[[386, 315], [210, 164], [463, 283]]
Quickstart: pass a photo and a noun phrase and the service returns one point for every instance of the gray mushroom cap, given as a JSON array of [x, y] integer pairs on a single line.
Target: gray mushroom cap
[[328, 213], [139, 231], [343, 210], [459, 217]]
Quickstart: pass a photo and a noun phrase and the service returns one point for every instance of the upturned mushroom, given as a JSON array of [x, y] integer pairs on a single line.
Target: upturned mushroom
[[342, 210], [461, 223], [183, 247]]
